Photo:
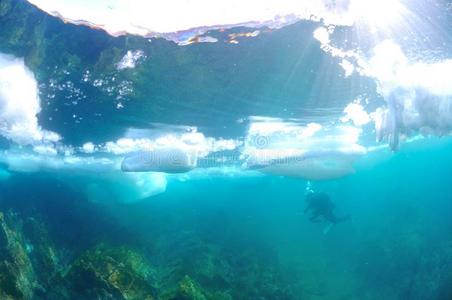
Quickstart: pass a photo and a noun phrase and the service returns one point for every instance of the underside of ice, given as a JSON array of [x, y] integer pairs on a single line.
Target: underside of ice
[[418, 94], [167, 160]]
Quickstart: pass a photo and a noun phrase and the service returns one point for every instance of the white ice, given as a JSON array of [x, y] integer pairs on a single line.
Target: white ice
[[179, 20], [166, 160], [19, 104], [309, 151], [418, 94]]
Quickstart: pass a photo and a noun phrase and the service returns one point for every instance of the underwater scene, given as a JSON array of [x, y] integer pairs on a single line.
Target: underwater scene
[[196, 150]]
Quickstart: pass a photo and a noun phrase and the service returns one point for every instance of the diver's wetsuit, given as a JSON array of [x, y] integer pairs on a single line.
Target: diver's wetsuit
[[321, 205]]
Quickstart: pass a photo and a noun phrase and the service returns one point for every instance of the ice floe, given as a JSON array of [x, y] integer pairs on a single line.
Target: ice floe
[[20, 104]]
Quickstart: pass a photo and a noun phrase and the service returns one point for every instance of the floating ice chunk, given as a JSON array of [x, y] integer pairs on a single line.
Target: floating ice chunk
[[320, 165], [24, 161], [321, 34], [355, 112], [309, 151], [19, 104], [128, 145], [185, 138], [88, 147], [149, 184], [347, 66], [418, 94], [125, 187], [100, 178], [45, 149], [166, 160]]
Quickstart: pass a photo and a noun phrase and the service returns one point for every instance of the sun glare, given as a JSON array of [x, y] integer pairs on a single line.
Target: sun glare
[[378, 14]]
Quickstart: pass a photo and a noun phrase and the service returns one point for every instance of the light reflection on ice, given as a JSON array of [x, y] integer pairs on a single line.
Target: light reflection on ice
[[417, 94], [186, 21]]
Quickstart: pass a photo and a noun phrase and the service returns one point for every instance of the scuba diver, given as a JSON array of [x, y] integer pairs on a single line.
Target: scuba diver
[[320, 205]]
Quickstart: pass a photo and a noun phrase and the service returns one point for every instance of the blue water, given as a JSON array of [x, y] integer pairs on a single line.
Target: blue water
[[74, 226], [253, 230]]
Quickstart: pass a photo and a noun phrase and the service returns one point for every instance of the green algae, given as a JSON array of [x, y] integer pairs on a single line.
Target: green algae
[[187, 290], [119, 271], [17, 276]]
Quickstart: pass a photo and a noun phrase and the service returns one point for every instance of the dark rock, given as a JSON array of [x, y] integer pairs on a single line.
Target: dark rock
[[111, 273], [17, 277]]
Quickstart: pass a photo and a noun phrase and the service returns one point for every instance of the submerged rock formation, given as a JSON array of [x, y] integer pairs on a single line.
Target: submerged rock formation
[[28, 260], [111, 273], [17, 277], [187, 290]]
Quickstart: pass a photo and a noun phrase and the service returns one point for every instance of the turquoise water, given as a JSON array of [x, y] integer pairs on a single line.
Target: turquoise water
[[262, 123], [249, 238]]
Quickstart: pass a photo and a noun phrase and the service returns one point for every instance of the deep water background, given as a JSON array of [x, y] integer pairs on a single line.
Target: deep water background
[[237, 237], [248, 236]]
